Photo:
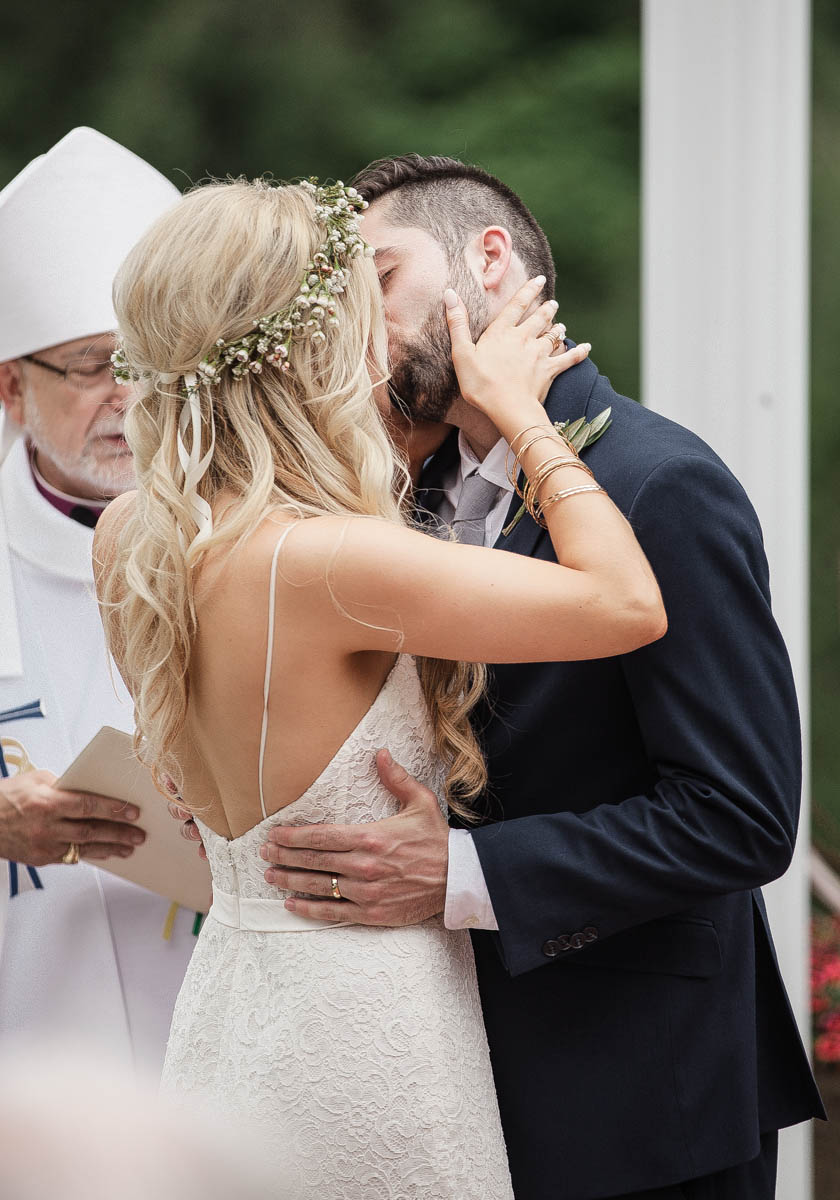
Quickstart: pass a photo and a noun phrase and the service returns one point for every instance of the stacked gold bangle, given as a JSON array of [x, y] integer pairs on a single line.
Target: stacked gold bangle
[[529, 492], [555, 497]]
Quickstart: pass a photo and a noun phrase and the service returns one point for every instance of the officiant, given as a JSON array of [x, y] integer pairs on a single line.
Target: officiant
[[82, 952]]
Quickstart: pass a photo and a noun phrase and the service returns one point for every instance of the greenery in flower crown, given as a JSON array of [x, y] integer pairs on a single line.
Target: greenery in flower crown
[[313, 310]]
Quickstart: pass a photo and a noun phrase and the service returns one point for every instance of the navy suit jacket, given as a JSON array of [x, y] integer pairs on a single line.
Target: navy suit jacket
[[639, 1029]]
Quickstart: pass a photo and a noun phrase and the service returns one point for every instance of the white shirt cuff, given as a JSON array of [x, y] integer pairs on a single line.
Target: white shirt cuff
[[468, 903]]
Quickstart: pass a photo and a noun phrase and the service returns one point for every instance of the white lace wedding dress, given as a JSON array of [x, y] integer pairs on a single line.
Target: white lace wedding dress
[[360, 1052]]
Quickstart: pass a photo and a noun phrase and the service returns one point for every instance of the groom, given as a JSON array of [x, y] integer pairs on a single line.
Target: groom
[[642, 1041]]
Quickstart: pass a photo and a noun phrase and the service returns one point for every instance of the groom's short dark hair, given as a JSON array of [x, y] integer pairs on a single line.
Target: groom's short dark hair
[[452, 200]]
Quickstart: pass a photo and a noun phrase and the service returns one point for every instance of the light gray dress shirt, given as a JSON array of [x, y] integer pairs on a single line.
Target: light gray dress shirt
[[468, 903]]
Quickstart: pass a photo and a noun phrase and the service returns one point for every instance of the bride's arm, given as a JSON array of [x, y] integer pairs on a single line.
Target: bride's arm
[[402, 589]]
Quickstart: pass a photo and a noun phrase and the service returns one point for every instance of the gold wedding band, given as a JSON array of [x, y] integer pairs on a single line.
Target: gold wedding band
[[556, 341], [71, 855], [334, 888]]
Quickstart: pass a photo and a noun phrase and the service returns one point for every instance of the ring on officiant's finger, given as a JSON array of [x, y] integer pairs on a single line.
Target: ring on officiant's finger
[[71, 855], [334, 888]]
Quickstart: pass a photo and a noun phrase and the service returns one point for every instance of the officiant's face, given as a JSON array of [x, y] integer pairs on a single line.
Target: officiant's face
[[414, 271], [73, 412]]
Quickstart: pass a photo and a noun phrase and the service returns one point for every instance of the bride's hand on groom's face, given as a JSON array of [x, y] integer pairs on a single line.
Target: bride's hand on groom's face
[[389, 872], [506, 374]]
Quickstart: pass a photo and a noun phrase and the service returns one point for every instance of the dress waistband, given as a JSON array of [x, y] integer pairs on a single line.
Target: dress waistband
[[263, 916]]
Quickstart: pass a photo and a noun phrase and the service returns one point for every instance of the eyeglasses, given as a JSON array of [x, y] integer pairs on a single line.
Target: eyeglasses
[[84, 374]]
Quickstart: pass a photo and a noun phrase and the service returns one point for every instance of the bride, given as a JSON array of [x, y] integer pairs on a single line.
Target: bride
[[278, 619]]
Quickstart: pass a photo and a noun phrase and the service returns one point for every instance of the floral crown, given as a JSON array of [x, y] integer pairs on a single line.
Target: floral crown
[[313, 309], [309, 315]]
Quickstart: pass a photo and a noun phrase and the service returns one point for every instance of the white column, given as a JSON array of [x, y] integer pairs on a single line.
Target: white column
[[725, 190]]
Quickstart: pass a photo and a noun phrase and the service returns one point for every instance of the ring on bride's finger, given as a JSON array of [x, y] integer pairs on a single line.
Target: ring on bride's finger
[[334, 888], [557, 340]]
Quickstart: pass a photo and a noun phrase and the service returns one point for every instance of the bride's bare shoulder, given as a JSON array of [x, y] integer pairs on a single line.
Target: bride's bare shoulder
[[108, 528], [310, 547], [327, 566]]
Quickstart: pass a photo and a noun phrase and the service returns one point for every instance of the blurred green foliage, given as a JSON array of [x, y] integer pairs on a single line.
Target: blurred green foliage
[[544, 95]]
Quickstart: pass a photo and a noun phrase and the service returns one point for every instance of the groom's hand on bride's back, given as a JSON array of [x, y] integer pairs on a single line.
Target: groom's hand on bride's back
[[388, 872]]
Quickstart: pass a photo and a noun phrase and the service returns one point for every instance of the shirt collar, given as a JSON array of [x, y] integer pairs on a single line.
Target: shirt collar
[[493, 466]]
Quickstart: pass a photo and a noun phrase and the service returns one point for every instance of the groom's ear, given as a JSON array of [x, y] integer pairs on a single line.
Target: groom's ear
[[489, 255]]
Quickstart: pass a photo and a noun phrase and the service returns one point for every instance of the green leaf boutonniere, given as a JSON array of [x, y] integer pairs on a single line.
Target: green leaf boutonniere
[[581, 434]]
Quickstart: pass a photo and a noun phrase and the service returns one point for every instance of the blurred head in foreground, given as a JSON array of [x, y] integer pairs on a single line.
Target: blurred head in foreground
[[81, 1131]]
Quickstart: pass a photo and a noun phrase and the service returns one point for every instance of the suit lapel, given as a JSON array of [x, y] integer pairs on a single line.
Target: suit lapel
[[568, 399]]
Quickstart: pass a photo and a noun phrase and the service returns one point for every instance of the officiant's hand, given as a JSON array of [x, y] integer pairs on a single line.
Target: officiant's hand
[[389, 872], [38, 822]]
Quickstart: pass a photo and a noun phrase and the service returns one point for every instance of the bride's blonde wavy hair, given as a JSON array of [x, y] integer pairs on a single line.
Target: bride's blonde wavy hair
[[307, 442]]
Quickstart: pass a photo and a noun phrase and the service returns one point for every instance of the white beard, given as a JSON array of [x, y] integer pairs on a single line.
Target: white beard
[[107, 474]]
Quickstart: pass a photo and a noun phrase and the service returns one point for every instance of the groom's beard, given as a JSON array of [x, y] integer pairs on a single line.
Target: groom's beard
[[423, 383]]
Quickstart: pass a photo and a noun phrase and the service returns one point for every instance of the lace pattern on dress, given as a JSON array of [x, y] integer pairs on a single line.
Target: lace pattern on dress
[[360, 1052]]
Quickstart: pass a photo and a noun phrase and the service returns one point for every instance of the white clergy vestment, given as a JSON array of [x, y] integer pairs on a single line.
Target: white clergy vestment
[[84, 958]]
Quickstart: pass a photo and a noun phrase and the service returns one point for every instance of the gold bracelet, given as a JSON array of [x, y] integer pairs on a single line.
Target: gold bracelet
[[540, 437], [546, 429], [557, 496], [517, 465], [539, 475], [545, 470], [535, 481], [530, 496], [555, 464]]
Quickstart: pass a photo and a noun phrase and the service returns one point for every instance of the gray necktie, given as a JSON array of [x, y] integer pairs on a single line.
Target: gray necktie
[[478, 495]]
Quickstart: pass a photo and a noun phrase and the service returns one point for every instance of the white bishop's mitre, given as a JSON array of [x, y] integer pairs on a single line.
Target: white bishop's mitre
[[67, 221]]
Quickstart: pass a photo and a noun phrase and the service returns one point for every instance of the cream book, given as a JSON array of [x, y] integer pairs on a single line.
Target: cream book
[[166, 863]]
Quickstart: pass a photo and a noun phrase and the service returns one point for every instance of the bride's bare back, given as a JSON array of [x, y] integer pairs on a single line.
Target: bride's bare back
[[318, 692]]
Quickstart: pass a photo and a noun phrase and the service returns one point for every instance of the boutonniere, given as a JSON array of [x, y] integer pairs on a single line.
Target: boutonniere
[[581, 434]]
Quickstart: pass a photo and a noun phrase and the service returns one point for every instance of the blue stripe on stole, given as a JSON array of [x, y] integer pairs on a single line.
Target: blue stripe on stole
[[33, 709]]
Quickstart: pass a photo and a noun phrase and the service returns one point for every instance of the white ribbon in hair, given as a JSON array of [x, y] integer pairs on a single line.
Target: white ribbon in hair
[[194, 464]]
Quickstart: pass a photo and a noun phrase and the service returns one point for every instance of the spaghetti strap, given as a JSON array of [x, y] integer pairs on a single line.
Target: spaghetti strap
[[272, 587]]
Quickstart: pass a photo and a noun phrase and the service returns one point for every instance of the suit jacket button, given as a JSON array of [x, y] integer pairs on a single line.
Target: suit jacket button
[[551, 948], [577, 940], [590, 933]]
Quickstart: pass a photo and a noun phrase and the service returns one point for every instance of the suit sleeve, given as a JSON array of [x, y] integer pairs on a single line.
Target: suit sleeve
[[717, 713]]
